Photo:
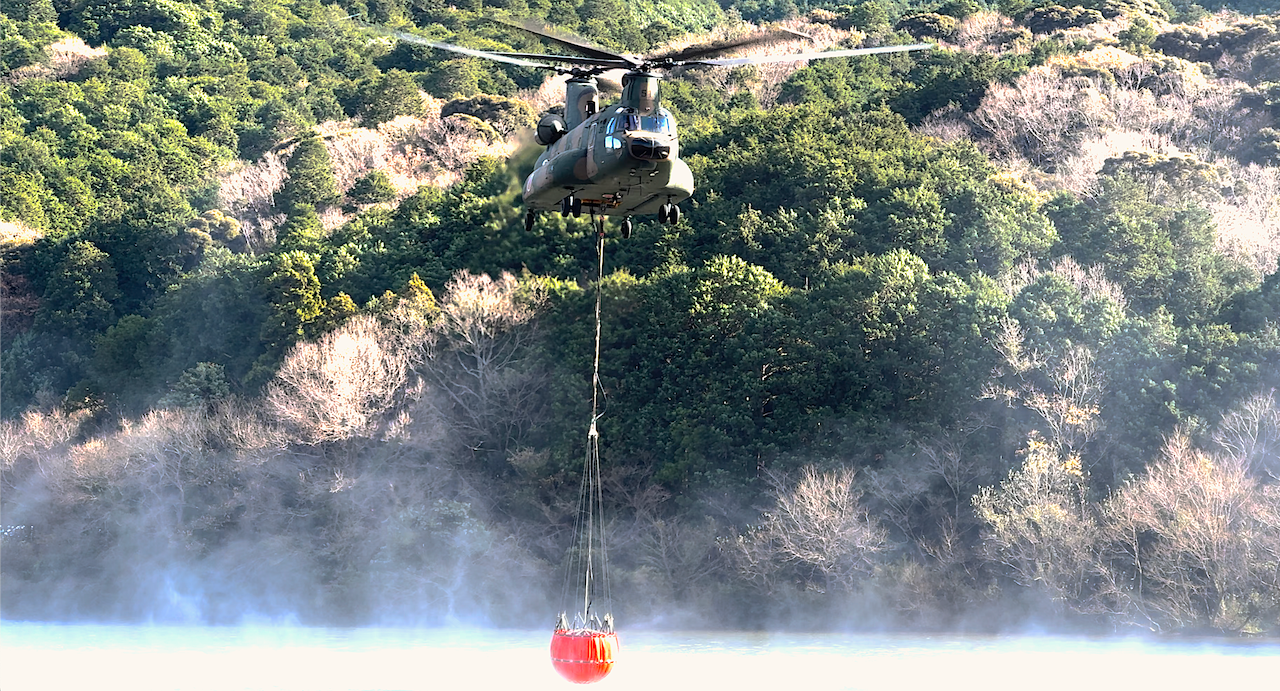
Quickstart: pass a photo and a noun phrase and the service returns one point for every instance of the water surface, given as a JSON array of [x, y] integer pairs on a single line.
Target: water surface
[[52, 657]]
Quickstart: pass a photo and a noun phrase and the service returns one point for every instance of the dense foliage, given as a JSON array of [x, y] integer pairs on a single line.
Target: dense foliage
[[941, 331]]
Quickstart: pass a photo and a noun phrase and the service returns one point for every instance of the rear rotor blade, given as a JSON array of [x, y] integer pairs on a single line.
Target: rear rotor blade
[[709, 49], [570, 59], [567, 40], [796, 57]]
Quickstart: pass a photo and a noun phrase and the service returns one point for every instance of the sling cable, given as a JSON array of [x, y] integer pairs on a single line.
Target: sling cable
[[584, 651]]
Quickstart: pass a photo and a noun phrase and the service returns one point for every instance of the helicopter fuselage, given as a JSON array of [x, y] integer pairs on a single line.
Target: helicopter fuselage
[[617, 162]]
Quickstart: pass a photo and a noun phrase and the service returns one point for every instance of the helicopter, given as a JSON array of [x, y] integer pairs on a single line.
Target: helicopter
[[622, 159]]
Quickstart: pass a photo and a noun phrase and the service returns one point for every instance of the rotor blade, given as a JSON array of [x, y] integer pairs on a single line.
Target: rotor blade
[[796, 57], [566, 40], [571, 59], [498, 57], [709, 49]]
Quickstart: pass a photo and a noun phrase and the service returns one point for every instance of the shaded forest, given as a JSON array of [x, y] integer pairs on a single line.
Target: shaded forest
[[959, 339]]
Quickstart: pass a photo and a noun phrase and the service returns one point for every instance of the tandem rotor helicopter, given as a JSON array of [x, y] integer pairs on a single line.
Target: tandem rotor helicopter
[[623, 159]]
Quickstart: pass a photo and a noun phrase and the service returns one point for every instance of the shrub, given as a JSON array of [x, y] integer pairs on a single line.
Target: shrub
[[1046, 20], [929, 25], [505, 115]]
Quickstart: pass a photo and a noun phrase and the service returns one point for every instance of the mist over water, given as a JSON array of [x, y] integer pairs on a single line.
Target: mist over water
[[142, 658]]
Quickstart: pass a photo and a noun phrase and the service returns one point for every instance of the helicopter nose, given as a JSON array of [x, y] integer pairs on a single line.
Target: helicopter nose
[[647, 149]]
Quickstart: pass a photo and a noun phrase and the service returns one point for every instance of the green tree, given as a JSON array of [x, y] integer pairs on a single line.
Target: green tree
[[199, 387], [718, 334], [215, 314], [373, 188], [506, 115], [310, 178], [868, 15], [1160, 248], [302, 231], [929, 25], [417, 297], [453, 78], [1139, 36], [887, 340], [883, 188], [337, 310], [1053, 17], [394, 94], [79, 300], [35, 11], [123, 360], [293, 295]]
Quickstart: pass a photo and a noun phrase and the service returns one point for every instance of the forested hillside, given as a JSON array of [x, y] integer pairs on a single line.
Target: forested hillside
[[967, 337]]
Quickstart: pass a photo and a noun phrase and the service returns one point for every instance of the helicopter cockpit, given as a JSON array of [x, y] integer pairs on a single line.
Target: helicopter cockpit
[[648, 137], [657, 124]]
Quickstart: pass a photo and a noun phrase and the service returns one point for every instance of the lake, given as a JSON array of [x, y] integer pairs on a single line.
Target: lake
[[52, 657]]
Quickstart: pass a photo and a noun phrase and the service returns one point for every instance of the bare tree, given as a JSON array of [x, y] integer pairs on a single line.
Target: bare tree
[[1070, 405], [1200, 542], [765, 80], [246, 428], [1040, 527], [818, 532], [339, 386], [1042, 116], [65, 58], [927, 495], [39, 444], [685, 555], [1064, 390], [247, 191], [928, 498], [1249, 219], [480, 358], [990, 32], [1063, 387], [1250, 433]]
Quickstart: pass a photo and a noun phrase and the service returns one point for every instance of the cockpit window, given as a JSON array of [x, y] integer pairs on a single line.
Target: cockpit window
[[660, 124]]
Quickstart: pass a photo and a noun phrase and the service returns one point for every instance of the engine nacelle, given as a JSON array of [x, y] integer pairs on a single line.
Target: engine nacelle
[[550, 129]]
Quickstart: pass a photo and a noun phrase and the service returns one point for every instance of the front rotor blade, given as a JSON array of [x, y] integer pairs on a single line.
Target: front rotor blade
[[796, 57], [498, 57], [566, 40], [709, 49]]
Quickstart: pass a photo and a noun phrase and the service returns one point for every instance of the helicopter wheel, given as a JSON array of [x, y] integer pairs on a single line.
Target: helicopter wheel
[[626, 228], [528, 221], [673, 216], [664, 213], [576, 203], [566, 206]]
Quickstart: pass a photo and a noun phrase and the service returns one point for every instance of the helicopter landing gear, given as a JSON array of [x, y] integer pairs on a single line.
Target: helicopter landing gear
[[528, 221], [626, 227], [571, 205], [669, 213]]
